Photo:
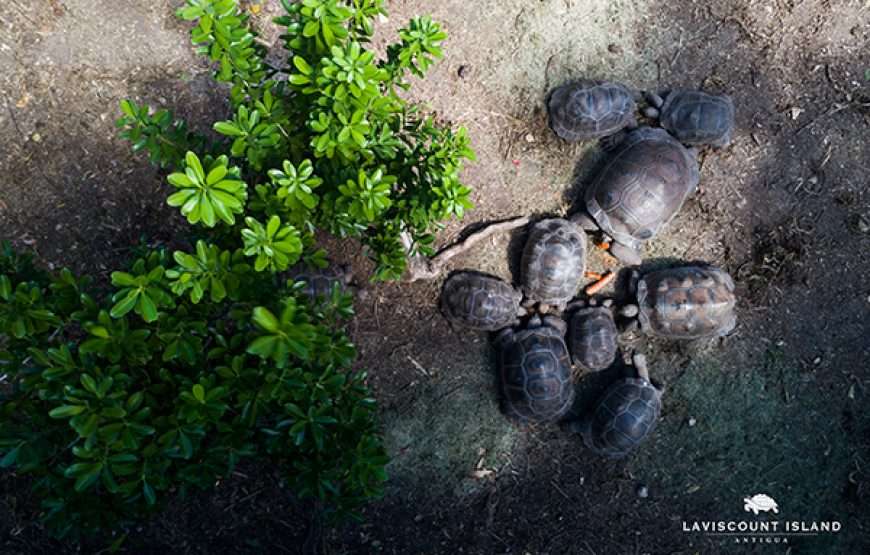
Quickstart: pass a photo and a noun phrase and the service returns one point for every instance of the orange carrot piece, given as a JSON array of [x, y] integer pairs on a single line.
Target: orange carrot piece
[[608, 276]]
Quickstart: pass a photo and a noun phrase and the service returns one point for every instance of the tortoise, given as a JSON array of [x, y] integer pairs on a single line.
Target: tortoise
[[592, 334], [535, 371], [591, 109], [624, 415], [760, 502], [640, 189], [480, 302], [319, 282], [689, 302], [694, 117], [553, 262]]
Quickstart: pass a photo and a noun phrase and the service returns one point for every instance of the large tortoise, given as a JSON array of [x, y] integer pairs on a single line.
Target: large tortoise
[[480, 301], [535, 371], [553, 263], [592, 334], [640, 189], [694, 117], [689, 302], [590, 109], [624, 415]]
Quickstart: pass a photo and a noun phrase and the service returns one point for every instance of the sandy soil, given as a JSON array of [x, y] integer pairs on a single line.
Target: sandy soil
[[775, 408]]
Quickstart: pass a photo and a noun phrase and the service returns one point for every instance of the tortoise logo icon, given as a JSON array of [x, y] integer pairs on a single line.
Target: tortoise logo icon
[[760, 502]]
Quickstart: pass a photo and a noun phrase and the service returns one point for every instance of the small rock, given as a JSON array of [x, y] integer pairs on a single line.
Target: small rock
[[817, 361], [614, 48], [462, 72], [796, 112], [418, 518], [36, 138], [530, 138], [642, 491], [692, 421]]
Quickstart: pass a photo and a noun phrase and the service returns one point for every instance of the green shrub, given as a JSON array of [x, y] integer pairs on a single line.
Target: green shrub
[[112, 410], [198, 360], [322, 142]]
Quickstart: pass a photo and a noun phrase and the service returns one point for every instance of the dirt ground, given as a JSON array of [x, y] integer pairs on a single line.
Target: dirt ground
[[778, 407]]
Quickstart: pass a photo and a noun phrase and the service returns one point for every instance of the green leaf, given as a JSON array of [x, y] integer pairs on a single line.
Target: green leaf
[[302, 65], [125, 305], [199, 393], [147, 308], [148, 491], [65, 411], [228, 128], [265, 319]]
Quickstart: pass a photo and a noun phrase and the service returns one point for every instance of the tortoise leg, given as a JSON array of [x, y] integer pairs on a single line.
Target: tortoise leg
[[557, 323], [577, 304], [521, 311], [612, 141], [625, 254], [640, 366], [584, 221], [654, 100], [503, 337]]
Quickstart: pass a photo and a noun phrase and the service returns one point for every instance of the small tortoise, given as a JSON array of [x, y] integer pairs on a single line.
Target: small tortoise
[[535, 371], [625, 414], [694, 117], [690, 302], [480, 301], [590, 110], [319, 282], [554, 259], [641, 188], [592, 335]]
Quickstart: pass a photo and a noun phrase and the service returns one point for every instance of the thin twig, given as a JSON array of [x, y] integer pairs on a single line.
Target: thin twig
[[420, 267]]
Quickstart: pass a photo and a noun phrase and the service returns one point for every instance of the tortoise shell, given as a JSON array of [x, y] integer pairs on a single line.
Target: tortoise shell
[[479, 301], [590, 109], [535, 373], [642, 187], [592, 336], [697, 118], [319, 282], [623, 417], [686, 303], [553, 262]]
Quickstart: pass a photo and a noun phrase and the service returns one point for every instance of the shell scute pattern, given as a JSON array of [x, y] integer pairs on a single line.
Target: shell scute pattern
[[697, 118], [535, 375], [642, 187], [592, 338], [590, 110], [481, 302], [553, 262], [624, 416], [687, 303]]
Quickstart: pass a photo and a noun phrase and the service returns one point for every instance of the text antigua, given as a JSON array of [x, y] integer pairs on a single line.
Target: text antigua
[[774, 526]]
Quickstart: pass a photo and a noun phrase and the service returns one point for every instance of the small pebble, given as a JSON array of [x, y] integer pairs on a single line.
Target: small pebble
[[614, 48], [530, 138], [817, 361], [418, 518], [36, 137], [692, 421], [642, 491], [462, 72]]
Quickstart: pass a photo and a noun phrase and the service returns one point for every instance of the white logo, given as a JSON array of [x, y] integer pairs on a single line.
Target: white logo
[[760, 502]]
